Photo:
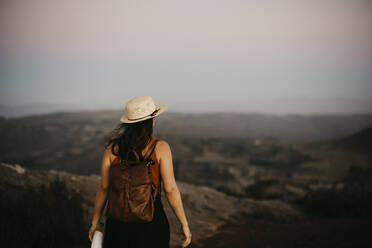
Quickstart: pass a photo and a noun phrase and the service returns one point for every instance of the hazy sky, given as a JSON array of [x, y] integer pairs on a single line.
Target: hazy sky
[[279, 56]]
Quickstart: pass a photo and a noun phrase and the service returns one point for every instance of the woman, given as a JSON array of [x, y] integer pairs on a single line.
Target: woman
[[135, 131]]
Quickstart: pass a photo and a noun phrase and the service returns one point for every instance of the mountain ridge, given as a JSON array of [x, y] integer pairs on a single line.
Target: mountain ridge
[[293, 127]]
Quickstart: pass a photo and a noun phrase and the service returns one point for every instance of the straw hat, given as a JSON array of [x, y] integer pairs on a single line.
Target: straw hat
[[141, 108]]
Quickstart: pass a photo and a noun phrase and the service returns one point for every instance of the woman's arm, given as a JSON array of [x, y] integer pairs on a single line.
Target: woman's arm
[[101, 194], [170, 187]]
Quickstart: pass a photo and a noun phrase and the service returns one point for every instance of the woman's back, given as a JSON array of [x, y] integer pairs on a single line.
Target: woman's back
[[155, 233]]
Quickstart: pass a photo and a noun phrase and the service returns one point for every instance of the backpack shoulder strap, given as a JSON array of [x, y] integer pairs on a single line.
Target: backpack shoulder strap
[[152, 148], [155, 173]]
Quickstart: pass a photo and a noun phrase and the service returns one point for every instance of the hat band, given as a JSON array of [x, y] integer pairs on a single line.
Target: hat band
[[152, 114]]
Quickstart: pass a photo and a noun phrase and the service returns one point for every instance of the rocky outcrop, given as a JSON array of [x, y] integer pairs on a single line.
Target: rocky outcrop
[[206, 208]]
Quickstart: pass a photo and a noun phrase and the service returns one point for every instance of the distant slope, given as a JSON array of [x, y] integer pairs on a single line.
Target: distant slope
[[33, 109], [288, 127], [360, 141], [74, 141]]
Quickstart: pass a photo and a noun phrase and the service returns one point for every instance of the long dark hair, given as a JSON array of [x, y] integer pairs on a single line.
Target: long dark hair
[[130, 136]]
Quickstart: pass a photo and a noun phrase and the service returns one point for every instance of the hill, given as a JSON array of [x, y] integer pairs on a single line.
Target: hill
[[229, 178]]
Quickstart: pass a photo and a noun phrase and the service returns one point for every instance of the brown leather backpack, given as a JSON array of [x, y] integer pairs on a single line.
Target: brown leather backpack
[[133, 188]]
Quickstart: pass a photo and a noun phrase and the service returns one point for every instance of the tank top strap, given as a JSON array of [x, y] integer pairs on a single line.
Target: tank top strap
[[155, 171]]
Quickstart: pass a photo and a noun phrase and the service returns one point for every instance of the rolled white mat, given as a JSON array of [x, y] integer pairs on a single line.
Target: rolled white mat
[[97, 239]]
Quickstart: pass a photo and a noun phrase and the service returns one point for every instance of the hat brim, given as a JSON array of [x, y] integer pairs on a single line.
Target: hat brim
[[161, 107]]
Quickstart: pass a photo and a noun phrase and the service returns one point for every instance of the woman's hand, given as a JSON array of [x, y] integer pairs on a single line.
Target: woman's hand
[[91, 231], [186, 236]]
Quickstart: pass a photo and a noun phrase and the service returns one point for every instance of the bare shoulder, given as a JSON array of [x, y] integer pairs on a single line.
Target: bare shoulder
[[162, 149], [162, 146], [108, 152]]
